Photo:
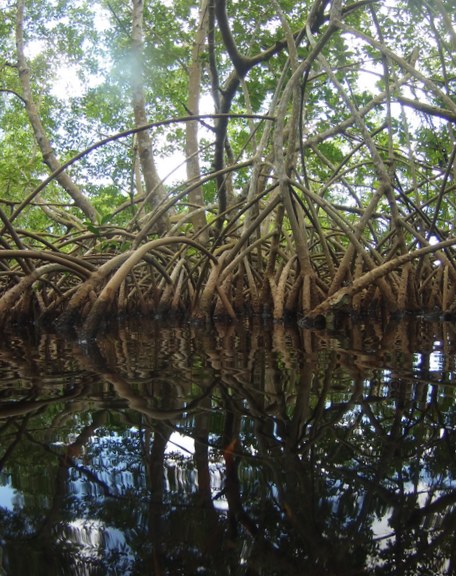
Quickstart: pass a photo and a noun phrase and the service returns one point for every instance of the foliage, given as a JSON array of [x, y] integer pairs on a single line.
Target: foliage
[[339, 144]]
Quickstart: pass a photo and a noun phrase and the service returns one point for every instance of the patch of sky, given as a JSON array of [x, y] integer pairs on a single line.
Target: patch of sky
[[184, 445], [10, 498], [92, 538], [432, 361]]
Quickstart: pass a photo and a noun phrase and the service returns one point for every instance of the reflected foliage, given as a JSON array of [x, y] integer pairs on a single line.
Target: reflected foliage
[[259, 449]]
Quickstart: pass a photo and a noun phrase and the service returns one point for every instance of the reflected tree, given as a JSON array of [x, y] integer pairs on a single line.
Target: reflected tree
[[247, 450]]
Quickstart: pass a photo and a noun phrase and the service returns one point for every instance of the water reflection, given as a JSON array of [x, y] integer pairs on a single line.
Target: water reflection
[[229, 450]]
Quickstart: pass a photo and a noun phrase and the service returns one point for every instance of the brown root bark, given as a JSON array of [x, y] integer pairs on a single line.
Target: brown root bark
[[107, 295], [343, 296]]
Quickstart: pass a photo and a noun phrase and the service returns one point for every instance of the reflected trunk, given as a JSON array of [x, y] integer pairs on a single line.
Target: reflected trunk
[[162, 449]]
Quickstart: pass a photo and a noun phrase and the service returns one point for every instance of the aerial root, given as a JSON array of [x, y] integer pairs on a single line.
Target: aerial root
[[128, 284]]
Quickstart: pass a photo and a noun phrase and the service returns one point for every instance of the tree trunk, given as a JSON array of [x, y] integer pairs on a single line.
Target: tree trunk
[[155, 191], [191, 138], [41, 137]]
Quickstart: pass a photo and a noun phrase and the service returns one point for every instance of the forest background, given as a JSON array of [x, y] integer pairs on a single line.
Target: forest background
[[282, 159]]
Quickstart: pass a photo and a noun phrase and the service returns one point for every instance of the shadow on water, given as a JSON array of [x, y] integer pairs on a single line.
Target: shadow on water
[[230, 450]]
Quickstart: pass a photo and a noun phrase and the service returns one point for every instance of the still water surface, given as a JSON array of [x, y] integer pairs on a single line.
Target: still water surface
[[167, 449]]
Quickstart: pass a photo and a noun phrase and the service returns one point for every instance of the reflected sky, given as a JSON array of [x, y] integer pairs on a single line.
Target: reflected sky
[[9, 497], [242, 449]]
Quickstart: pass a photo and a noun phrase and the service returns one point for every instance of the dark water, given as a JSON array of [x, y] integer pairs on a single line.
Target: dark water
[[240, 450]]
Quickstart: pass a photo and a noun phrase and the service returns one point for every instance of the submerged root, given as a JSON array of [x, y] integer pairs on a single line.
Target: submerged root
[[175, 280], [102, 297]]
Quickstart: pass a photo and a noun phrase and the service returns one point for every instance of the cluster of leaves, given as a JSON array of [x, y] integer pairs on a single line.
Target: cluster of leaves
[[373, 105]]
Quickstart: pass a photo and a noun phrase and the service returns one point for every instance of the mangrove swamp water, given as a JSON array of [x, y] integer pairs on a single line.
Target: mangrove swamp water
[[248, 449]]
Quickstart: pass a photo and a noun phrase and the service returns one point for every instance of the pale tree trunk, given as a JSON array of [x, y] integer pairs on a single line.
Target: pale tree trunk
[[155, 191], [191, 142], [41, 137]]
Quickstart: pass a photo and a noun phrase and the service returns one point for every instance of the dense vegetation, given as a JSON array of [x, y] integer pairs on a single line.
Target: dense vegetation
[[317, 147]]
